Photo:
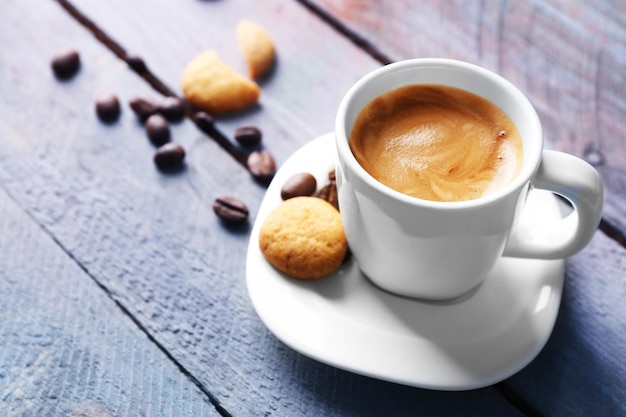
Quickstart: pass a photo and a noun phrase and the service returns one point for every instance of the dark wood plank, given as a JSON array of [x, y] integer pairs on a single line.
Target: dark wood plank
[[150, 240], [66, 348], [567, 56]]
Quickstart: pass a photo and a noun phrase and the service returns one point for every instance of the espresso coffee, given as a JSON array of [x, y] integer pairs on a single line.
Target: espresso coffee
[[437, 143]]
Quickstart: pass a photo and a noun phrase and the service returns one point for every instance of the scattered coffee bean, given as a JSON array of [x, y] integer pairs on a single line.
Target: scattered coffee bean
[[107, 107], [302, 184], [66, 63], [262, 166], [169, 156], [230, 209], [329, 191], [143, 107], [158, 129], [248, 136], [204, 121], [172, 108], [136, 63]]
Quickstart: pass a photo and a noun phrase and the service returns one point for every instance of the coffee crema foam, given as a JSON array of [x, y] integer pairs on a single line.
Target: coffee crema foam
[[437, 143]]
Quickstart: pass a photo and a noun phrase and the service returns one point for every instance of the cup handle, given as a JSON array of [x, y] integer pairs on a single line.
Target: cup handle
[[578, 182]]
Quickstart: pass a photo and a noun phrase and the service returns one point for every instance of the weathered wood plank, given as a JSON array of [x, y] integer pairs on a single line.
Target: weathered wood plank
[[151, 239], [569, 57], [66, 348], [302, 92]]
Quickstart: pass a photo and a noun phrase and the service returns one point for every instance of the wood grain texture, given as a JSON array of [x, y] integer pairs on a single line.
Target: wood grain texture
[[568, 57], [150, 240], [301, 94], [66, 348]]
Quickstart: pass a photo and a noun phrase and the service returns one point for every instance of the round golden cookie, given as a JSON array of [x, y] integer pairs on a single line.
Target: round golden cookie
[[304, 238]]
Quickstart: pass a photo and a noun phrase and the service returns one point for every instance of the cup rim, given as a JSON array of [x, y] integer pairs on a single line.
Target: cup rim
[[528, 168]]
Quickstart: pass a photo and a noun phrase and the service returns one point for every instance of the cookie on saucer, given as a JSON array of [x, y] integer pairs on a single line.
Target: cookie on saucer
[[304, 238]]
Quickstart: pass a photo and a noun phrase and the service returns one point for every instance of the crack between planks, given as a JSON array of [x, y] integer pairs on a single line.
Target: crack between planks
[[205, 124], [607, 228], [516, 400], [353, 36], [144, 72], [212, 399], [613, 232]]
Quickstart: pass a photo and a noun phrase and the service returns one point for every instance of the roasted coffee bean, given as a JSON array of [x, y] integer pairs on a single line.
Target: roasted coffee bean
[[230, 209], [262, 166], [248, 136], [107, 107], [143, 107], [204, 121], [170, 155], [66, 63], [329, 193], [172, 108], [302, 184], [136, 63], [158, 129]]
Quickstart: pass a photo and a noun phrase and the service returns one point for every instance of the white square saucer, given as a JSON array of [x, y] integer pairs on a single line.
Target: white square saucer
[[345, 321]]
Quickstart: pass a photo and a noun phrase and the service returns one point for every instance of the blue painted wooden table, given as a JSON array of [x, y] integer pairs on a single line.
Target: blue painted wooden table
[[121, 292]]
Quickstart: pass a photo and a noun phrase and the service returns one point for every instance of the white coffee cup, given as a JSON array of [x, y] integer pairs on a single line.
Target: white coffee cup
[[441, 250]]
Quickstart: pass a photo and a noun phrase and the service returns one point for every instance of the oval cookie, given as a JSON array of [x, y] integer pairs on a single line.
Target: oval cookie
[[304, 238], [256, 46], [211, 85]]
